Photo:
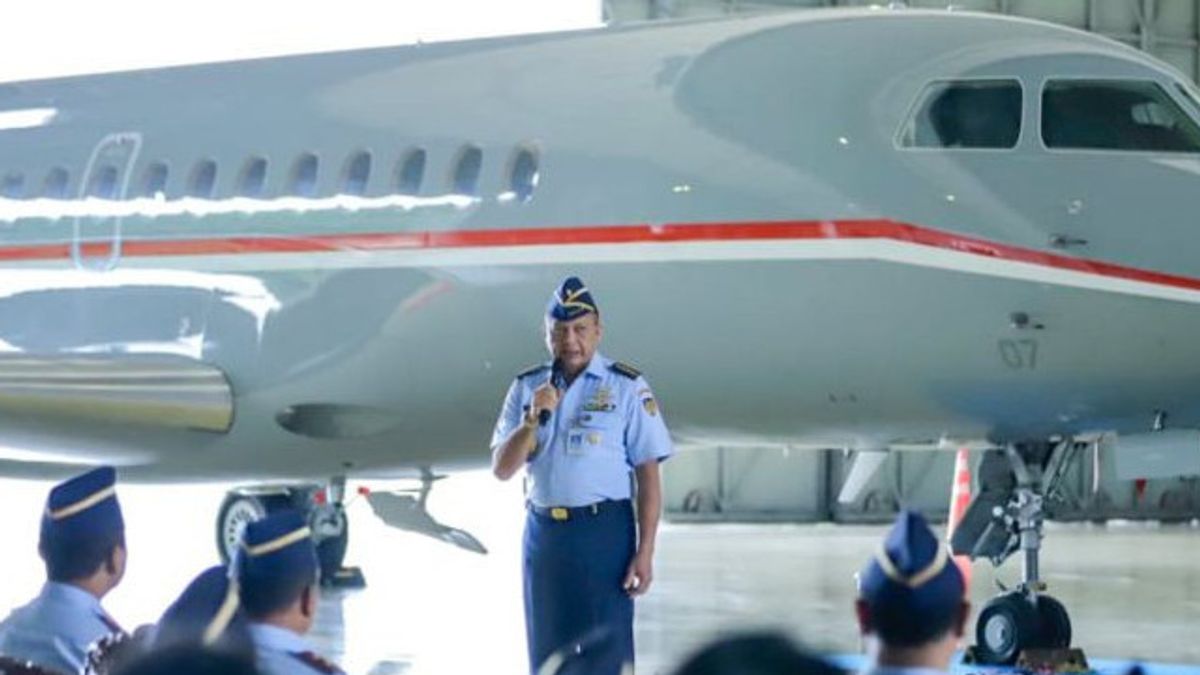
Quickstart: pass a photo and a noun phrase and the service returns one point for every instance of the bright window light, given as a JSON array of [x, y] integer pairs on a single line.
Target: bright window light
[[26, 118]]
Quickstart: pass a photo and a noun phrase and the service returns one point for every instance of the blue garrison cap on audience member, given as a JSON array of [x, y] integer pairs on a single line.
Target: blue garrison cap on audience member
[[912, 572], [204, 613], [83, 509], [278, 549], [570, 301]]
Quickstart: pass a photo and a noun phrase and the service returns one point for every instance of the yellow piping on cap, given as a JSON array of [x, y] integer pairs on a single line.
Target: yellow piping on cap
[[83, 504]]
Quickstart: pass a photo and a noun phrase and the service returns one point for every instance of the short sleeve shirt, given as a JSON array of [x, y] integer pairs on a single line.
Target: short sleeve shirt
[[607, 423], [56, 629]]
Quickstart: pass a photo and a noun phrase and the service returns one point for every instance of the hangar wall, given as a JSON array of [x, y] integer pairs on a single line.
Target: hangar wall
[[1169, 29], [775, 484]]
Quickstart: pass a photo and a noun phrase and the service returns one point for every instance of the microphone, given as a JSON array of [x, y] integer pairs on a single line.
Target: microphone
[[544, 415]]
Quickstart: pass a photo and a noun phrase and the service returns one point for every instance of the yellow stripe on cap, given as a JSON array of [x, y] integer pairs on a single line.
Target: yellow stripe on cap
[[83, 504], [916, 580], [575, 303], [575, 293], [212, 632], [278, 543]]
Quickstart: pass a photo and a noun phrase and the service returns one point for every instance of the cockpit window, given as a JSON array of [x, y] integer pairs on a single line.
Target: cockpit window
[[979, 114], [1128, 115]]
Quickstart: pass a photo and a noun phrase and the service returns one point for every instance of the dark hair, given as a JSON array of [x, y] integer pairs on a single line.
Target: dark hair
[[190, 660], [761, 653], [896, 627], [74, 558], [262, 598]]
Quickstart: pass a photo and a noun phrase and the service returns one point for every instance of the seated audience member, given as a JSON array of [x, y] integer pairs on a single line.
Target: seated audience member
[[82, 543], [759, 653], [277, 575], [911, 607], [207, 613], [189, 659]]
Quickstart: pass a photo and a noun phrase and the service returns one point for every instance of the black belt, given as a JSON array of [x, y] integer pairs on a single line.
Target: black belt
[[569, 512]]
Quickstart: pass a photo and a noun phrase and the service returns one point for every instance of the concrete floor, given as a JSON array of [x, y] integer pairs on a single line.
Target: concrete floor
[[1133, 591]]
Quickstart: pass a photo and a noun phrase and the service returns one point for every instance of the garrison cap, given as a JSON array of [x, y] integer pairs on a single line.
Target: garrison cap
[[278, 549], [203, 613], [912, 572], [84, 509], [570, 301]]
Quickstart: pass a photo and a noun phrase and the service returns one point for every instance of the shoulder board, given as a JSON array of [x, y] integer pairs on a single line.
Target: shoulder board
[[316, 663], [110, 623], [533, 371], [626, 370]]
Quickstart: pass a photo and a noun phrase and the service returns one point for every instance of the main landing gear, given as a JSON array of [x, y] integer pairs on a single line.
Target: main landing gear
[[326, 517], [1006, 517], [325, 506]]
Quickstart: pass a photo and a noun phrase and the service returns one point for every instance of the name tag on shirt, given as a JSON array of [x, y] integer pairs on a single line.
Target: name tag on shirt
[[580, 440]]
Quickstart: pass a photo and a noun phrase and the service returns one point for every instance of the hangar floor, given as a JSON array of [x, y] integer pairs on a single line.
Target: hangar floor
[[1133, 590]]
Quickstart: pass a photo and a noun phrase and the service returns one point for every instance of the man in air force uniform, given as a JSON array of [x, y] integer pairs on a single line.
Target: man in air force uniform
[[277, 576], [82, 543], [911, 605], [590, 435]]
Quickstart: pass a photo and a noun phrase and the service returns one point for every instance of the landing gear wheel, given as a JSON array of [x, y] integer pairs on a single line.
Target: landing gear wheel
[[1055, 630], [334, 528], [237, 510], [1007, 625]]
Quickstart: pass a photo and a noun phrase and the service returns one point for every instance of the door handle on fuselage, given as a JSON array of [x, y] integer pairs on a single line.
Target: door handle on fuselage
[[1066, 241]]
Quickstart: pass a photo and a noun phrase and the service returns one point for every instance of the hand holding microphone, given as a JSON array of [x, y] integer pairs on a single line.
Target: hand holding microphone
[[545, 397]]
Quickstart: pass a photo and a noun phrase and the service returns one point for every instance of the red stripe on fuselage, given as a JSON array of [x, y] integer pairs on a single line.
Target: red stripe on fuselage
[[604, 234]]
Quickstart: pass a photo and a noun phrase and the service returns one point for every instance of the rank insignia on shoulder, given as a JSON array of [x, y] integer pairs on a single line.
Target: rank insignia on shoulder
[[532, 371], [651, 406], [626, 370]]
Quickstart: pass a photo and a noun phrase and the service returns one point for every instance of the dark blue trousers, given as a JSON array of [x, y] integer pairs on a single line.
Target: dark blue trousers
[[573, 574]]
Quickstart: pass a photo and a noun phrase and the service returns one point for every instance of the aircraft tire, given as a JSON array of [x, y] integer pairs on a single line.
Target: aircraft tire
[[331, 551], [1007, 625], [1055, 624], [239, 509]]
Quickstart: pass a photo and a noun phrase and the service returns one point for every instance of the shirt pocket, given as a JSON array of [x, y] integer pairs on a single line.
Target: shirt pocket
[[600, 431]]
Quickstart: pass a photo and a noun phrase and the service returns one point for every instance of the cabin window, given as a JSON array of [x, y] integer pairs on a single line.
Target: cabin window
[[524, 178], [303, 180], [13, 186], [357, 174], [466, 171], [411, 173], [55, 185], [103, 183], [154, 182], [1128, 115], [967, 114], [253, 179], [204, 179]]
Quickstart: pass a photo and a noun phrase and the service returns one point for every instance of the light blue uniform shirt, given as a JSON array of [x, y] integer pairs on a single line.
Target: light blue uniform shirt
[[278, 651], [606, 424], [56, 629]]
